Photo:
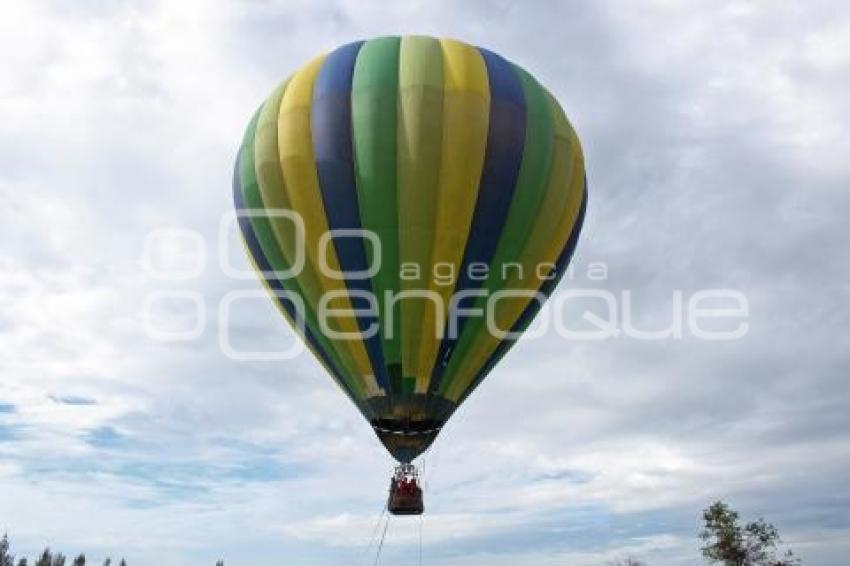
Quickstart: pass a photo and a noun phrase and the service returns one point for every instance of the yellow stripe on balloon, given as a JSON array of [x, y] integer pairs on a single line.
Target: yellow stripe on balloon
[[466, 111], [301, 184], [419, 137], [270, 181], [558, 215]]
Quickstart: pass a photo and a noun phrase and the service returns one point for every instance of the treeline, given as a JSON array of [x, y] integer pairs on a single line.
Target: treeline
[[726, 542], [48, 558]]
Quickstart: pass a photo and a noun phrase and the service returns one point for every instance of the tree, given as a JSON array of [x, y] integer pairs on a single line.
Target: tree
[[22, 562], [59, 560], [628, 561], [122, 563], [46, 558], [729, 543], [80, 560], [6, 559], [107, 562], [219, 563]]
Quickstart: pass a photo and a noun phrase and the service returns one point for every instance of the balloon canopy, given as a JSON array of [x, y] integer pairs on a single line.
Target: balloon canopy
[[470, 182]]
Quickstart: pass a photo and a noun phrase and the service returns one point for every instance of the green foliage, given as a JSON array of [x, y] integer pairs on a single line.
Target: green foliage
[[729, 543]]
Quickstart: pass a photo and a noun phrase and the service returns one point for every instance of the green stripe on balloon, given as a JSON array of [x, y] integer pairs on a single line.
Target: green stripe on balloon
[[374, 102]]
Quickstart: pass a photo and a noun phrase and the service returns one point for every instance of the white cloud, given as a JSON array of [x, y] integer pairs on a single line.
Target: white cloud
[[715, 138]]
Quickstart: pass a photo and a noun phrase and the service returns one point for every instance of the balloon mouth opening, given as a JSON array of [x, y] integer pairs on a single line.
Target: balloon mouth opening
[[412, 428], [406, 441]]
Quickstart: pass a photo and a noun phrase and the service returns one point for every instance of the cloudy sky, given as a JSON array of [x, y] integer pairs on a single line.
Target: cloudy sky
[[716, 142]]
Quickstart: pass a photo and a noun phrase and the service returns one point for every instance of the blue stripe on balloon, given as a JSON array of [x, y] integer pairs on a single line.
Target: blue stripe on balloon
[[502, 161], [533, 307], [330, 122], [266, 269]]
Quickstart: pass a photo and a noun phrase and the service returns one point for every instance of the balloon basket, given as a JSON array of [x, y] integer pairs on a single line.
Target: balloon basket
[[405, 492]]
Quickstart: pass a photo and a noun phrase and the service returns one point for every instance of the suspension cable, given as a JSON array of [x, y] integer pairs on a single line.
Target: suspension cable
[[383, 537], [421, 520], [373, 538]]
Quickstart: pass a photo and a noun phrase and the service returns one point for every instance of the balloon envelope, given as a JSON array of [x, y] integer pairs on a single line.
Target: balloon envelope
[[472, 181]]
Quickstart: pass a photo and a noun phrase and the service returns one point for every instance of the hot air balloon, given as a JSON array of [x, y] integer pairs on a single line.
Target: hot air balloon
[[431, 177]]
